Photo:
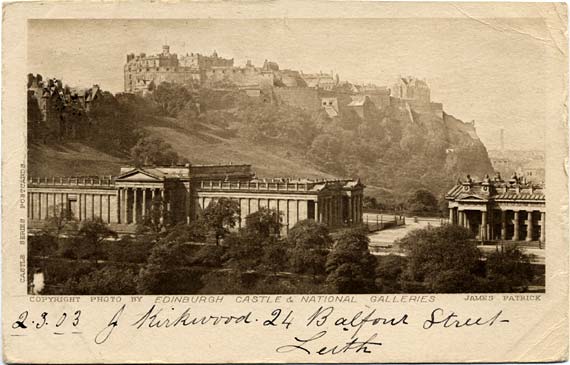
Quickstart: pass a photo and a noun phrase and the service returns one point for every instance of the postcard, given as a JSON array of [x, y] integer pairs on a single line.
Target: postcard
[[284, 182]]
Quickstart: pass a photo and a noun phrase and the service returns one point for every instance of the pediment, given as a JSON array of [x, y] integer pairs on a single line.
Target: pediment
[[139, 175], [471, 197]]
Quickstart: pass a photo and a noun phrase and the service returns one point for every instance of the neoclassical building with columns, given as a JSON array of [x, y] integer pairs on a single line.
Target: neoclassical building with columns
[[499, 210], [182, 192]]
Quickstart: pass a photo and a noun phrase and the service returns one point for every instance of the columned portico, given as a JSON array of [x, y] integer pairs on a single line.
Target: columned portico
[[496, 209], [138, 191]]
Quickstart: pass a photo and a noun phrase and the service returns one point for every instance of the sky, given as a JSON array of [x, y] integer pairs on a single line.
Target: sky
[[502, 73]]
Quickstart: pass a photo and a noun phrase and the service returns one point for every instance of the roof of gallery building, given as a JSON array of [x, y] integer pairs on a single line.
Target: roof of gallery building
[[514, 189]]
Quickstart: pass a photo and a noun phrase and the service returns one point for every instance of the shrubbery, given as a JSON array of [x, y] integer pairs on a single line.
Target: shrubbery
[[255, 259]]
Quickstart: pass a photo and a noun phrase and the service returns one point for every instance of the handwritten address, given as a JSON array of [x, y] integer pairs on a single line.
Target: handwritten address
[[362, 328]]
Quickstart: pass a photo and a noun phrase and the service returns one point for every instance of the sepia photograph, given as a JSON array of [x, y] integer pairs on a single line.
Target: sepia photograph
[[284, 182], [256, 156]]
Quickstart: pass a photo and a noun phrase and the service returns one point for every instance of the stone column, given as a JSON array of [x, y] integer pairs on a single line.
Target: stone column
[[542, 227], [331, 211], [135, 218], [359, 209], [143, 204], [92, 206], [79, 207], [529, 227], [350, 211], [287, 216], [327, 211], [451, 216], [490, 222], [503, 225], [483, 226], [316, 212], [126, 205], [335, 210], [119, 205], [516, 234], [85, 207], [101, 206], [358, 213], [163, 202]]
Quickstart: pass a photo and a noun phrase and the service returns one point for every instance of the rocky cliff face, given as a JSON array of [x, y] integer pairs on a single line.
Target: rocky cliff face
[[394, 150], [414, 150]]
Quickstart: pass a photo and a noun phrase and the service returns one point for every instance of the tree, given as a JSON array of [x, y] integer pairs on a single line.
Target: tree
[[129, 249], [508, 269], [370, 202], [171, 97], [443, 259], [169, 271], [274, 256], [106, 281], [256, 246], [422, 201], [263, 223], [220, 216], [90, 236], [350, 266], [311, 244], [196, 231], [60, 221], [243, 252], [154, 151]]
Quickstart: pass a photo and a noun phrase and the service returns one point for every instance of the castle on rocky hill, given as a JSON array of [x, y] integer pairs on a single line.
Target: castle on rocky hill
[[142, 72], [269, 83]]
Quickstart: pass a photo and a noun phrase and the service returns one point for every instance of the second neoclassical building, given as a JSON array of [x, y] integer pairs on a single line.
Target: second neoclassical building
[[500, 210], [184, 191]]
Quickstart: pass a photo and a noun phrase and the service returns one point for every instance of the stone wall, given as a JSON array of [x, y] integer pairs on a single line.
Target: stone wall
[[239, 76], [301, 97]]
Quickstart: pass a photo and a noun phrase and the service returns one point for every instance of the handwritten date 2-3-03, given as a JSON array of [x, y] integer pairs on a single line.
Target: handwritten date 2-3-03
[[58, 322]]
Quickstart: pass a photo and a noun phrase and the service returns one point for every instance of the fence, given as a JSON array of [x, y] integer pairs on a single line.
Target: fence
[[379, 222]]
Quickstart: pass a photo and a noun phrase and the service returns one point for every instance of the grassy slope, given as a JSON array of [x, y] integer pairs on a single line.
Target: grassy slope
[[70, 159], [201, 145], [208, 144]]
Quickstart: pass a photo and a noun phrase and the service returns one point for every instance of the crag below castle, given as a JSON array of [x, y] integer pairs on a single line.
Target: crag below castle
[[394, 149]]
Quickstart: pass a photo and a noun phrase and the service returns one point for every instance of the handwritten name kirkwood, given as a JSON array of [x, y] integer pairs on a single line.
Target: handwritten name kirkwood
[[362, 327]]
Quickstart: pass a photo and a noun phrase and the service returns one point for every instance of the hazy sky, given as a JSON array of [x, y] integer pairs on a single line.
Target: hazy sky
[[502, 73]]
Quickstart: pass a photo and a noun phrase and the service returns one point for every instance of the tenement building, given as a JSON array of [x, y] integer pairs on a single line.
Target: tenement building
[[181, 193], [495, 209]]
